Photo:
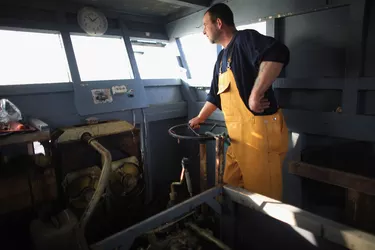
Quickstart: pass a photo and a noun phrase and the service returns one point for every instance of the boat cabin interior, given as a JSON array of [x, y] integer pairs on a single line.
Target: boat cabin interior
[[97, 150]]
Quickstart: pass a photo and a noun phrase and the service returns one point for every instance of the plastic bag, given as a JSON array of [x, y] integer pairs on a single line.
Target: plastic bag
[[9, 112]]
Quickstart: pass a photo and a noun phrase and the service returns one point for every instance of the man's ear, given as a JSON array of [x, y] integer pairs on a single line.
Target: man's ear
[[219, 23]]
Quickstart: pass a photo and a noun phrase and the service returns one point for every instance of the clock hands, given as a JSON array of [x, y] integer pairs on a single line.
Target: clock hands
[[92, 20]]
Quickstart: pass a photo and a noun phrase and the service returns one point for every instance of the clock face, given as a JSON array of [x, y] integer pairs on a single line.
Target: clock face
[[92, 21]]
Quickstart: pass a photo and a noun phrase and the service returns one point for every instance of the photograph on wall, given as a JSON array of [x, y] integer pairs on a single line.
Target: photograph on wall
[[101, 96]]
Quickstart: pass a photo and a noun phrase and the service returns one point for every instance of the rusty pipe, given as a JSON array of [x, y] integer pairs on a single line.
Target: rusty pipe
[[219, 156], [188, 183], [219, 160], [203, 166], [185, 164], [103, 179]]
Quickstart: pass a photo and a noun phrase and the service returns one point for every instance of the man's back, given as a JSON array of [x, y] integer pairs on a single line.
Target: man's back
[[247, 49]]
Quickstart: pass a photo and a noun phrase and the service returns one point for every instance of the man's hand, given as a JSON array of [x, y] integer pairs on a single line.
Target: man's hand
[[258, 103], [194, 123], [268, 72], [206, 111]]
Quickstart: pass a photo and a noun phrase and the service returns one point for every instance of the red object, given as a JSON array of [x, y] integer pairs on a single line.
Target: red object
[[15, 127]]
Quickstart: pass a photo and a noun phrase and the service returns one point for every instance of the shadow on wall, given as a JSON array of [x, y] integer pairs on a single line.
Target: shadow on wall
[[323, 60]]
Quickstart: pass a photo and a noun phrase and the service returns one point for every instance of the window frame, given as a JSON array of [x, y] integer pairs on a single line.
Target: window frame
[[41, 87], [126, 56], [153, 40], [182, 53], [64, 29], [270, 31]]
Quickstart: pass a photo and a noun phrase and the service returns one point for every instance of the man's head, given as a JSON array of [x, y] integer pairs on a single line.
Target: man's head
[[217, 20]]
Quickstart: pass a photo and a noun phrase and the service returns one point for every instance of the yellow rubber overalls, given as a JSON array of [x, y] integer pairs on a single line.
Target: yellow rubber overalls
[[258, 143]]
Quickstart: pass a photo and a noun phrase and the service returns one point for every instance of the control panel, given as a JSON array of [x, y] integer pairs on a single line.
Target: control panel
[[109, 96]]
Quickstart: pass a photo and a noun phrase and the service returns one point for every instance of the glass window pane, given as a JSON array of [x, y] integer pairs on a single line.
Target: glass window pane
[[29, 57], [156, 60], [101, 58], [201, 56]]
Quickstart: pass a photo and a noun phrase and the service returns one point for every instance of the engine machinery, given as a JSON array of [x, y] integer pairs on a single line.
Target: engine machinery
[[102, 204], [100, 170], [101, 175]]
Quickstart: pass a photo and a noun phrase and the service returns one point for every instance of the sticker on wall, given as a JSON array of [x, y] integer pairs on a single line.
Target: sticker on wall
[[122, 89], [92, 120], [101, 96]]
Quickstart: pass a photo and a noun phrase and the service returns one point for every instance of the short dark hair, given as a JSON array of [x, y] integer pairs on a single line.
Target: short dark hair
[[223, 12]]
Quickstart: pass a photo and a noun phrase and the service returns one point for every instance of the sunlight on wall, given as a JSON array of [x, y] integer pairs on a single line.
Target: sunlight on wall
[[38, 148], [295, 137], [261, 27]]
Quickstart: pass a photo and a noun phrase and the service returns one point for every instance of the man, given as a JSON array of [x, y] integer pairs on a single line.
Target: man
[[242, 89]]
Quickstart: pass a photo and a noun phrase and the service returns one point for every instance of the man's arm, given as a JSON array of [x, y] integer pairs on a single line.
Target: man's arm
[[205, 112], [213, 101], [268, 72], [272, 57]]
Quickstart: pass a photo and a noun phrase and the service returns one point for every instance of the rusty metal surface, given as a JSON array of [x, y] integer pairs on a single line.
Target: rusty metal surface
[[207, 235], [26, 187], [18, 196], [25, 138], [203, 166], [219, 160], [125, 238], [68, 156], [95, 130], [80, 185], [359, 210], [43, 184], [334, 177]]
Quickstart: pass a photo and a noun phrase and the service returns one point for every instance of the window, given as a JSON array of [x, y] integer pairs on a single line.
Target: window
[[261, 27], [156, 60], [101, 58], [29, 57], [201, 57]]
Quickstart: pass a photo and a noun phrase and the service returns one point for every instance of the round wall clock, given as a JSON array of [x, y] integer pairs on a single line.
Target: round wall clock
[[92, 21]]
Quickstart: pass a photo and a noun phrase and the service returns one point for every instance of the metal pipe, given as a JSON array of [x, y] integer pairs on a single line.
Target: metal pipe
[[219, 153], [203, 166], [103, 179], [202, 232], [219, 164], [145, 161], [188, 183], [133, 116], [185, 165]]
